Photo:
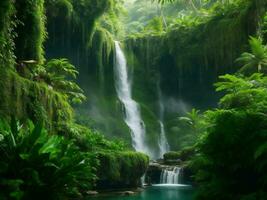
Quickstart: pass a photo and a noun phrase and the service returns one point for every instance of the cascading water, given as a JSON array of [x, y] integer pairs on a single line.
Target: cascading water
[[170, 176], [163, 142], [132, 112]]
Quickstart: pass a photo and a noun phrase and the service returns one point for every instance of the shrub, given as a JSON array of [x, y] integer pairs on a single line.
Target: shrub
[[60, 75], [172, 155], [89, 140], [231, 162], [34, 165]]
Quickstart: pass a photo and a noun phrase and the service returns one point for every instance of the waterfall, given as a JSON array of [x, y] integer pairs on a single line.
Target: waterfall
[[132, 111], [170, 176], [163, 142]]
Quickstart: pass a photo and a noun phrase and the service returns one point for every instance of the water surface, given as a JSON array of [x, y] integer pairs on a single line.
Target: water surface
[[159, 192]]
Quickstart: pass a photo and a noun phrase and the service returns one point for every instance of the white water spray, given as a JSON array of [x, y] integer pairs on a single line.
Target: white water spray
[[132, 112]]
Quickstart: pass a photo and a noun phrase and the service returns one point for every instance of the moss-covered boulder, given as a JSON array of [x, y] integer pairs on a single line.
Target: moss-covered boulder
[[120, 169], [183, 155], [172, 155]]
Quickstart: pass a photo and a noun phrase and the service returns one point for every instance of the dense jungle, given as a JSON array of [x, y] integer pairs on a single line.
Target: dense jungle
[[133, 99]]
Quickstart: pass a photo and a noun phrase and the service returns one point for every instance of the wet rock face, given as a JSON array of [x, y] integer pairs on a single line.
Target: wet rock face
[[153, 173]]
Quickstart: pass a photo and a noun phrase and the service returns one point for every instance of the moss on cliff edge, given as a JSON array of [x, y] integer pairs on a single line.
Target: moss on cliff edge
[[27, 99], [6, 37], [30, 30]]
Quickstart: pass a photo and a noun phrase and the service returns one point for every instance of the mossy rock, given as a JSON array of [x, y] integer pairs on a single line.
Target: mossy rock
[[183, 155], [172, 155], [120, 169]]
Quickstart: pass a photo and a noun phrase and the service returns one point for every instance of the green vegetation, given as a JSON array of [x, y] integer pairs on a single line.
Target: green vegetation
[[221, 164], [192, 125], [58, 74], [57, 78], [53, 157], [28, 99], [6, 36], [184, 155], [186, 58], [230, 162], [30, 29], [257, 57], [172, 155], [36, 165], [116, 167]]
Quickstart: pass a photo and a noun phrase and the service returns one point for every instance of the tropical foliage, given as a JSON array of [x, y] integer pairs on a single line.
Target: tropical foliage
[[60, 74], [175, 49], [231, 159], [256, 60], [35, 165], [194, 120]]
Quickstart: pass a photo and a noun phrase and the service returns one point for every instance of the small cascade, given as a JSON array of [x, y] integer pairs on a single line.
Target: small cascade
[[132, 111], [170, 176], [143, 179]]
